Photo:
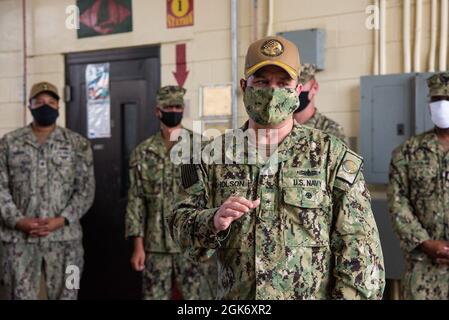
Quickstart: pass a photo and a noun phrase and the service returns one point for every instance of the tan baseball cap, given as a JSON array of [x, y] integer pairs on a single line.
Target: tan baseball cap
[[276, 51], [41, 87]]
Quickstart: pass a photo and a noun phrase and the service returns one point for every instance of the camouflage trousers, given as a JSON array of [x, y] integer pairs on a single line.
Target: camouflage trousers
[[22, 265], [163, 269], [425, 279]]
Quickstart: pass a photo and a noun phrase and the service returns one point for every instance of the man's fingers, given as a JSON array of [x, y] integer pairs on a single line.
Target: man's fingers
[[36, 234], [443, 254], [40, 229], [231, 213], [256, 203], [242, 201], [223, 226], [42, 221], [135, 264], [44, 234], [237, 206], [443, 261]]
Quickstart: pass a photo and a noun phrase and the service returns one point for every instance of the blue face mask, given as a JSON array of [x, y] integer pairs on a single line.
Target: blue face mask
[[45, 115]]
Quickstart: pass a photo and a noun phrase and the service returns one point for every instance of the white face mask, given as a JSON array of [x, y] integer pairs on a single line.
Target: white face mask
[[439, 111]]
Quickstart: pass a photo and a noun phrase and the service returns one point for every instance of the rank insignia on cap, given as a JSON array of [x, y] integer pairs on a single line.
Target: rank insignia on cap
[[272, 48], [45, 86]]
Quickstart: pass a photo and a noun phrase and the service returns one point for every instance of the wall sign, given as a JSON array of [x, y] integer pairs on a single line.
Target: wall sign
[[179, 13], [103, 17]]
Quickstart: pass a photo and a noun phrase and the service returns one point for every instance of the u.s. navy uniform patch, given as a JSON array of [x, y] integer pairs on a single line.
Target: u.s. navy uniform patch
[[189, 176], [350, 167]]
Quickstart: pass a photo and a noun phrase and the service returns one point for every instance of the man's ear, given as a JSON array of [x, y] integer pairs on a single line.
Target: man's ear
[[315, 87], [157, 112], [299, 88], [243, 84]]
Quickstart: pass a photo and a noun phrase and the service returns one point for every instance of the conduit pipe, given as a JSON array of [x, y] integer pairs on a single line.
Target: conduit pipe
[[418, 36], [406, 38], [443, 36], [383, 37], [433, 36], [270, 17]]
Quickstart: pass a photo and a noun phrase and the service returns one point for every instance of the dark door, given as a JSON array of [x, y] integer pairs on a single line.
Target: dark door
[[134, 79]]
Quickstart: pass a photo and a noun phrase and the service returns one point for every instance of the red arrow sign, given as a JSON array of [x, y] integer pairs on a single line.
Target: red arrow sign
[[181, 72]]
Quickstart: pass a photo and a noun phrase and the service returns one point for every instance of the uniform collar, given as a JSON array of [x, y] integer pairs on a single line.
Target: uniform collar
[[29, 137], [283, 152], [158, 144], [313, 119]]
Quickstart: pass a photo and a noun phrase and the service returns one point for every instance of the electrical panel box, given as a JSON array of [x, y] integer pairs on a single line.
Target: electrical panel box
[[311, 44], [393, 108]]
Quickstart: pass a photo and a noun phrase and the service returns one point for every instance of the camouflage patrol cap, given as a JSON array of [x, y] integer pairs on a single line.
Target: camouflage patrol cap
[[170, 96], [438, 84], [276, 51], [42, 87], [307, 73]]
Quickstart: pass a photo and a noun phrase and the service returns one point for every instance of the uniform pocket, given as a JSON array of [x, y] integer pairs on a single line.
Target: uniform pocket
[[423, 180], [65, 168], [152, 179], [20, 167], [306, 216]]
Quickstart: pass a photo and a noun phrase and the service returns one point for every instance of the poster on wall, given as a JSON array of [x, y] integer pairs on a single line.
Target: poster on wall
[[179, 13], [98, 101], [103, 17]]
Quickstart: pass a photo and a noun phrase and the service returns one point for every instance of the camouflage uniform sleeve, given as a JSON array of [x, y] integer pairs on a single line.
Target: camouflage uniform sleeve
[[340, 133], [135, 211], [84, 185], [9, 214], [407, 226], [359, 267], [191, 222], [336, 130]]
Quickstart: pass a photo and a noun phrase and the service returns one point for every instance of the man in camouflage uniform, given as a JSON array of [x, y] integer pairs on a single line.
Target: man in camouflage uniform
[[46, 185], [418, 196], [295, 226], [307, 113], [155, 180]]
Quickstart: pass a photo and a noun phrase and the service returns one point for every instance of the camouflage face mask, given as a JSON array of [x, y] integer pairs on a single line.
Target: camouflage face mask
[[268, 106]]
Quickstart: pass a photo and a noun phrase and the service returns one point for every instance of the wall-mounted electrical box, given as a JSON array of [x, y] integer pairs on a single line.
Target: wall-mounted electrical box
[[393, 108], [311, 44]]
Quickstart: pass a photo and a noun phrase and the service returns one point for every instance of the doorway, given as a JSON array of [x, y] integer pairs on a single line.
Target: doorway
[[133, 81]]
